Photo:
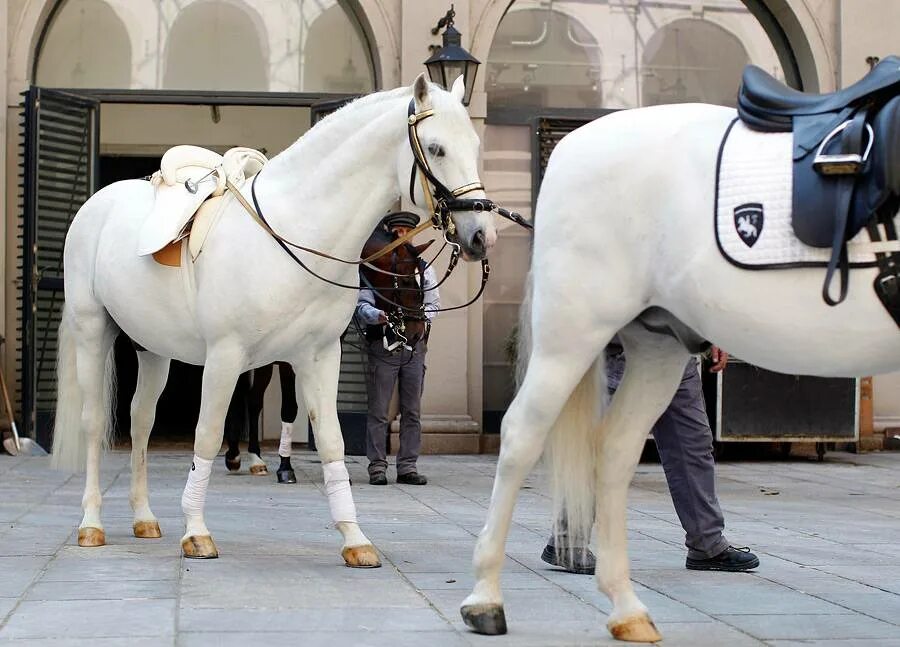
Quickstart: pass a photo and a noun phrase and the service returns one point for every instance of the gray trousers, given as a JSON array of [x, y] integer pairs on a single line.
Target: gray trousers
[[684, 441], [385, 369]]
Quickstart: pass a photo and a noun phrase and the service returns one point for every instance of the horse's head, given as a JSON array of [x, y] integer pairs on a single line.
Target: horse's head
[[398, 286], [438, 167]]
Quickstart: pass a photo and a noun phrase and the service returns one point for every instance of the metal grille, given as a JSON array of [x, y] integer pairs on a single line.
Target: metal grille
[[548, 131], [59, 149], [352, 381]]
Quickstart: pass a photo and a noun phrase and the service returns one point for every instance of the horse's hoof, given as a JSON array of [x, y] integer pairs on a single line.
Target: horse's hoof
[[147, 529], [286, 476], [487, 619], [91, 537], [636, 629], [259, 470], [361, 557], [233, 464], [199, 547]]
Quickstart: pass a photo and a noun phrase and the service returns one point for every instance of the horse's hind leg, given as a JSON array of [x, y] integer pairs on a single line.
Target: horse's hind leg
[[288, 416], [95, 335], [153, 371], [653, 368], [317, 382], [554, 371], [256, 391], [235, 419]]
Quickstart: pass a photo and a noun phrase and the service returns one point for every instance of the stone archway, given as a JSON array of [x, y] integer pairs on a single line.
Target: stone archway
[[376, 20]]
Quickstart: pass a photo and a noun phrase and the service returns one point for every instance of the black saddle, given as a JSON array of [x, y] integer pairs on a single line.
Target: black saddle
[[769, 104], [846, 163]]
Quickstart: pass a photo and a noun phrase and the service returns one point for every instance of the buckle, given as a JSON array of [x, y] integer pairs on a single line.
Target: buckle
[[842, 163], [888, 285]]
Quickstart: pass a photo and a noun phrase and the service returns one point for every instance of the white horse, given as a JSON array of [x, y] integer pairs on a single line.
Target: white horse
[[250, 304], [605, 250]]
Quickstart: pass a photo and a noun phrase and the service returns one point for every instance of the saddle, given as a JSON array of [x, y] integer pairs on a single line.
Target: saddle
[[190, 183], [846, 165]]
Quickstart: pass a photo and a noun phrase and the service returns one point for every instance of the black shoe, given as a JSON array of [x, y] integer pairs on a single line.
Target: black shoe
[[412, 478], [378, 478], [575, 560], [730, 559]]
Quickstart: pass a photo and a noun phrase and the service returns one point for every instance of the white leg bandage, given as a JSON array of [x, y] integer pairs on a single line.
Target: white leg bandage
[[284, 448], [194, 497], [337, 487]]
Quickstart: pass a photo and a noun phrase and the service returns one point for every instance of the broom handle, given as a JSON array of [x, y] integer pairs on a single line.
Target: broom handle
[[9, 412]]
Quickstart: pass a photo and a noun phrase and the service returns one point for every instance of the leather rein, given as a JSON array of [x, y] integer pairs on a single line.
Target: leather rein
[[441, 202]]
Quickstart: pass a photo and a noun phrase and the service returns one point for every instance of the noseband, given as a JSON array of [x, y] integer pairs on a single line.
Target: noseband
[[441, 201]]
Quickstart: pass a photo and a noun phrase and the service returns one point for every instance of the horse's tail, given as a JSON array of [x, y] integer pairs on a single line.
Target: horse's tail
[[571, 454], [69, 437]]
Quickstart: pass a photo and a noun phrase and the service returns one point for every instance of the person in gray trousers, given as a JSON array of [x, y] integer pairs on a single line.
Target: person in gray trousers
[[388, 367], [684, 442]]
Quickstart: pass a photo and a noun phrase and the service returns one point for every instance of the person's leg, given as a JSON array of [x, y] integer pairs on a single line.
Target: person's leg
[[684, 440], [380, 379], [411, 381]]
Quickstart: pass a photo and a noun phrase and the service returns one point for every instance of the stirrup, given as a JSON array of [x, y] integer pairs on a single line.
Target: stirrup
[[842, 163]]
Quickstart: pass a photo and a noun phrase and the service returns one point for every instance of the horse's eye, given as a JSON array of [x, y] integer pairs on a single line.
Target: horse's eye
[[436, 150]]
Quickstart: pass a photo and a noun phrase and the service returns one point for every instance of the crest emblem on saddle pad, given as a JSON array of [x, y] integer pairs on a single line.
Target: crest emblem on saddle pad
[[748, 221]]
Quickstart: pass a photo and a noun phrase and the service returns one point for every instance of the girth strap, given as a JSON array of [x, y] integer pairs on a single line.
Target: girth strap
[[887, 283]]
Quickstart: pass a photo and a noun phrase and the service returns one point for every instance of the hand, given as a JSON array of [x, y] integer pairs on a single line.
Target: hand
[[382, 318], [719, 359]]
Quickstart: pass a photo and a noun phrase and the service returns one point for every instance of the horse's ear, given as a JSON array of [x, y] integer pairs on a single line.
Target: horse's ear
[[421, 92], [421, 248], [458, 90]]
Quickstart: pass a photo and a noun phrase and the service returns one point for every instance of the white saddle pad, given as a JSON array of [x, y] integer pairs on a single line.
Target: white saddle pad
[[753, 205]]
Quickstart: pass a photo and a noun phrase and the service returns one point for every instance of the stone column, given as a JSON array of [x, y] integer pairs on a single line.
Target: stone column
[[451, 404]]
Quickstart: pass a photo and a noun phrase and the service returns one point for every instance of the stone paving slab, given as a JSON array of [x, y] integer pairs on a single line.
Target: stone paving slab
[[826, 534]]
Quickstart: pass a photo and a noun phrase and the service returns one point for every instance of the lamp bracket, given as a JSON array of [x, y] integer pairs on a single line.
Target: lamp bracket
[[446, 21]]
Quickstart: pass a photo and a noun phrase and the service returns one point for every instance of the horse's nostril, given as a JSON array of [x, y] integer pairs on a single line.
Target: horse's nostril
[[478, 241]]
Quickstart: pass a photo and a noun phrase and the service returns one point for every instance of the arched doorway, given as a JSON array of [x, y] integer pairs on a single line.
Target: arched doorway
[[215, 73]]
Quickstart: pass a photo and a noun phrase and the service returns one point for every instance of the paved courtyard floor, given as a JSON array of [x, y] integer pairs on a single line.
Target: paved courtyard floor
[[826, 533]]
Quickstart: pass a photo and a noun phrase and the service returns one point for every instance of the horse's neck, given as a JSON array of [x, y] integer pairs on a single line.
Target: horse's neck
[[332, 190]]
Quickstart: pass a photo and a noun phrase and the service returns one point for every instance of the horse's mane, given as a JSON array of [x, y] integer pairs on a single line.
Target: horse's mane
[[319, 141]]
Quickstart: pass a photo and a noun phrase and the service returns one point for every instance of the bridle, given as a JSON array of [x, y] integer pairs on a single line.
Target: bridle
[[440, 200]]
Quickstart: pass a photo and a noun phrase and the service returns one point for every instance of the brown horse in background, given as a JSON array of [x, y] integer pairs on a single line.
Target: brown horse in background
[[398, 286]]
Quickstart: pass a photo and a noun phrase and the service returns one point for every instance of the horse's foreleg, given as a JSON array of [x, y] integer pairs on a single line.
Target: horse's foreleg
[[654, 365], [288, 416], [318, 381], [220, 375], [550, 380], [153, 371], [94, 361]]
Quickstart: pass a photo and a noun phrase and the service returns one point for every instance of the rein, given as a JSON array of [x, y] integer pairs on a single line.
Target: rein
[[442, 202], [256, 214]]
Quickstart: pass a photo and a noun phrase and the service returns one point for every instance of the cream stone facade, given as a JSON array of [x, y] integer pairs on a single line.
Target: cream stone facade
[[540, 58]]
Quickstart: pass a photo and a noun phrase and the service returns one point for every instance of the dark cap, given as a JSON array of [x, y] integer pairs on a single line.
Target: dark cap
[[401, 219]]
